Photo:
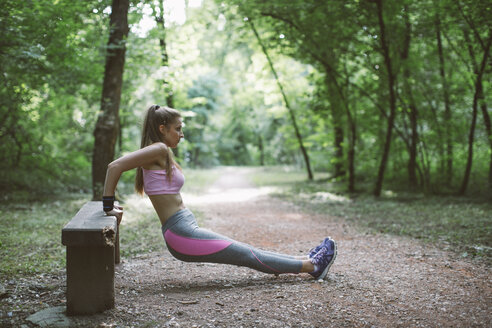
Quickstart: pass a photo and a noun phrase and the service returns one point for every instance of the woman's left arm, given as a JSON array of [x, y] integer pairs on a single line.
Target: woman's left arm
[[141, 157]]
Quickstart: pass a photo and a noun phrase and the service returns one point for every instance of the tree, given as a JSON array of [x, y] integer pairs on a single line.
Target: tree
[[477, 18], [330, 63], [50, 70], [287, 104], [478, 100], [385, 51], [412, 106], [204, 95], [447, 103], [107, 126], [161, 25]]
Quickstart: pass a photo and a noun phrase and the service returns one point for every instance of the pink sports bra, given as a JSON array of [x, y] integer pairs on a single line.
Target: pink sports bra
[[156, 182]]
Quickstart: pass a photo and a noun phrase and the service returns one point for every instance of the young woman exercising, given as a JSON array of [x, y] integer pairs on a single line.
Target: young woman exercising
[[161, 178]]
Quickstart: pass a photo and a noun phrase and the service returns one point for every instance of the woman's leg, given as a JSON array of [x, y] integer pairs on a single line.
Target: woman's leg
[[188, 242]]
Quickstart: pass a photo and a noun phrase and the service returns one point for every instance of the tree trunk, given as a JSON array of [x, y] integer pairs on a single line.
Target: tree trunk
[[337, 100], [412, 108], [107, 125], [336, 103], [425, 174], [412, 161], [195, 156], [351, 153], [291, 112], [166, 85], [471, 136], [339, 137], [352, 137], [478, 97], [392, 100], [262, 151], [447, 106], [488, 128]]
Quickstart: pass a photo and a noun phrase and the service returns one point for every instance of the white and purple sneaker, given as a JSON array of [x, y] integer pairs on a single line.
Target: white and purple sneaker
[[316, 249], [323, 259]]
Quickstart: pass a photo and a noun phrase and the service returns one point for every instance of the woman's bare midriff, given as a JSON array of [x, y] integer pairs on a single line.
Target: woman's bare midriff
[[166, 205]]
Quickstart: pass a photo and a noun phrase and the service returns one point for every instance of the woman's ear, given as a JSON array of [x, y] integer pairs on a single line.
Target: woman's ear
[[162, 129]]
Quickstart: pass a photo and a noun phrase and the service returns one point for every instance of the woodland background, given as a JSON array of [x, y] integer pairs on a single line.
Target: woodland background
[[372, 114], [378, 95]]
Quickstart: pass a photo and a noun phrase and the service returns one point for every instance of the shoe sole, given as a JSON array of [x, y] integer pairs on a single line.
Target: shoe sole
[[325, 271]]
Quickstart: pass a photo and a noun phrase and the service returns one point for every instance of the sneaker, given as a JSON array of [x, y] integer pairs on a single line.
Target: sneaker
[[323, 260], [316, 249]]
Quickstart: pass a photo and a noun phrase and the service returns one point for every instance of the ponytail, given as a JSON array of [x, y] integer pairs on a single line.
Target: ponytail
[[155, 117]]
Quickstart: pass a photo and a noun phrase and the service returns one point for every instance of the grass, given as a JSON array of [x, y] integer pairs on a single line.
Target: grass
[[460, 224], [30, 229], [30, 233], [197, 180]]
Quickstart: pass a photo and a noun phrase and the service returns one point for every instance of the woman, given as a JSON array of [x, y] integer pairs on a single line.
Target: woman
[[161, 178]]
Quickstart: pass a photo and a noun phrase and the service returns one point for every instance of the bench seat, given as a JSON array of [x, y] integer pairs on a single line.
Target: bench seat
[[92, 241]]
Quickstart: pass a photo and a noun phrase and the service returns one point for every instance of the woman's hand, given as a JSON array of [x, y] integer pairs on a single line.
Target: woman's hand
[[116, 211]]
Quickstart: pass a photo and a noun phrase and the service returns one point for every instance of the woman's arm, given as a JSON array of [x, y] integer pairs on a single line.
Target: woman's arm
[[148, 155], [141, 157]]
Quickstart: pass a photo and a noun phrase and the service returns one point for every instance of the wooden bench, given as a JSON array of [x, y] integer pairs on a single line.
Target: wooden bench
[[92, 241]]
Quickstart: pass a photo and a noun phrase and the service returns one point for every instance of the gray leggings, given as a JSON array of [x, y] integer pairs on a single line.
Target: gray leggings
[[188, 242]]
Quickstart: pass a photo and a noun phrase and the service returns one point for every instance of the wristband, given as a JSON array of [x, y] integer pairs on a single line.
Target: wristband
[[108, 203]]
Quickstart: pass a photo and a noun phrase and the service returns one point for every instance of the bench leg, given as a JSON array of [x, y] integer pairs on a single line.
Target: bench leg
[[90, 279], [117, 246]]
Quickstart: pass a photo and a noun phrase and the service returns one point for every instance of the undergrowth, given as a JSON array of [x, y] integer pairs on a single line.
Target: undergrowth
[[460, 224], [31, 225], [30, 229], [30, 232]]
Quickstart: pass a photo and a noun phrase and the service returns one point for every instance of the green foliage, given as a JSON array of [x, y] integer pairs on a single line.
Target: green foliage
[[204, 96], [351, 79], [329, 59], [462, 225], [49, 63], [30, 232]]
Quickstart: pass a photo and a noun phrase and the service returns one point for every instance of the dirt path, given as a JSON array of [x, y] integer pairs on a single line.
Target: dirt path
[[376, 281], [380, 281]]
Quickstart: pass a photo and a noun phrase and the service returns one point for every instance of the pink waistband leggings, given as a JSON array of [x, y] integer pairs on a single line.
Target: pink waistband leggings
[[188, 242]]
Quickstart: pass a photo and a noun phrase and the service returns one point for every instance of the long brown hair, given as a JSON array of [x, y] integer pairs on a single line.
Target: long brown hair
[[155, 117]]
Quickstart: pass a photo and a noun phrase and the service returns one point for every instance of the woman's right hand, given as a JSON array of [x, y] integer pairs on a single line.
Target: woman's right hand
[[116, 211]]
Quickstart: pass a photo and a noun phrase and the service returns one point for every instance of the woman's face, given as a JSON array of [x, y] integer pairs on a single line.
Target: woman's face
[[173, 133]]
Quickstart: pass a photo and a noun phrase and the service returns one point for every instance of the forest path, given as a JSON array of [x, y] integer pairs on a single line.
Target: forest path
[[377, 280]]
